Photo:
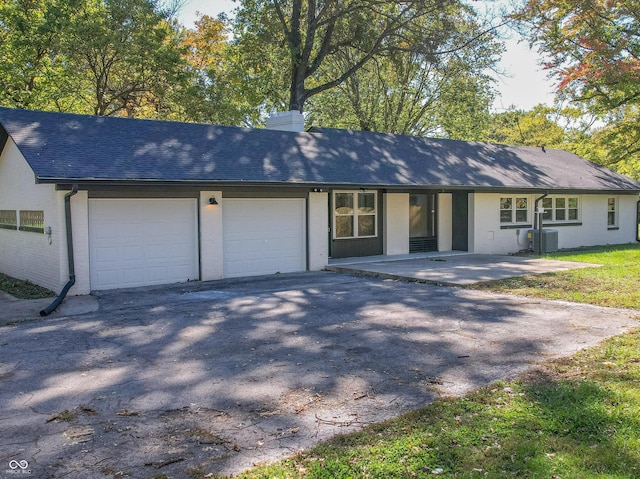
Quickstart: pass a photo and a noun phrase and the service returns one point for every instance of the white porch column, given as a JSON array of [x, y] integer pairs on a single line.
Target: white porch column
[[80, 231], [396, 223], [445, 222], [318, 236]]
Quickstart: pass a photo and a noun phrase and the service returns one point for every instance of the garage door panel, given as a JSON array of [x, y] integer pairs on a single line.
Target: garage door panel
[[130, 276], [263, 236], [131, 253], [105, 254], [157, 273], [142, 242], [105, 232]]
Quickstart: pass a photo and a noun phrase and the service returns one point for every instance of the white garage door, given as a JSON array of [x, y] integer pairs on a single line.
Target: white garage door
[[142, 242], [264, 236]]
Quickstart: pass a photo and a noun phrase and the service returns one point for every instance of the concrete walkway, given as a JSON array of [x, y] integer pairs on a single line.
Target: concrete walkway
[[451, 268]]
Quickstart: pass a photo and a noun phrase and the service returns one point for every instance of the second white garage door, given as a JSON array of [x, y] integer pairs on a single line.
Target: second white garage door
[[263, 236], [141, 242]]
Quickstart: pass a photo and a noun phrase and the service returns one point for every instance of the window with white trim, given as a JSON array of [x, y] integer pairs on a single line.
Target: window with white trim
[[612, 212], [561, 209], [514, 210], [355, 214]]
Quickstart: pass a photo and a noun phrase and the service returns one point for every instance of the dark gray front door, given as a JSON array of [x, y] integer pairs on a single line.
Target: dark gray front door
[[422, 223], [460, 227]]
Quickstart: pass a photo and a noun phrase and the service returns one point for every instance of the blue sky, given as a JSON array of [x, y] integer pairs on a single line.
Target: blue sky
[[524, 86]]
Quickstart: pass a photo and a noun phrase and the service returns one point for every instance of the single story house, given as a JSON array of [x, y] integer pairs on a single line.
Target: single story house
[[121, 203]]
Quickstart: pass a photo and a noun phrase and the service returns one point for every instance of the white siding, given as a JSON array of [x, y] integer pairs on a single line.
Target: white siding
[[488, 237], [27, 255]]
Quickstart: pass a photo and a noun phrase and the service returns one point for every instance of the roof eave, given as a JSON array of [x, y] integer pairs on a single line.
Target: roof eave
[[127, 182]]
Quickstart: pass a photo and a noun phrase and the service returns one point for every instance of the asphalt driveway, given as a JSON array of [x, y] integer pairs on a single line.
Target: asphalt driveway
[[219, 376]]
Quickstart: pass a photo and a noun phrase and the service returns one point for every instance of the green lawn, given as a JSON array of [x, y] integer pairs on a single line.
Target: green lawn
[[615, 284], [23, 289], [573, 418]]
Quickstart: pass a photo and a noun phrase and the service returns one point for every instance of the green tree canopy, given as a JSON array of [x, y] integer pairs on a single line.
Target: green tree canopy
[[302, 38], [32, 65], [532, 128], [106, 57], [593, 49]]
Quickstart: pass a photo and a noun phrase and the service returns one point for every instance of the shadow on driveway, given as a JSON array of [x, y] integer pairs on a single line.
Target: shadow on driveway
[[219, 376]]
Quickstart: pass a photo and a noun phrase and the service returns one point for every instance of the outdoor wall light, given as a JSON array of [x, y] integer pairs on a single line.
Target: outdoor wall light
[[213, 201]]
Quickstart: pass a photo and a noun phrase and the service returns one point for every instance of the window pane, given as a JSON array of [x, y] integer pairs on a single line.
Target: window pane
[[521, 203], [344, 203], [547, 204], [420, 215], [521, 216], [561, 215], [32, 220], [366, 202], [611, 214], [505, 216], [366, 225], [344, 226], [8, 218], [573, 209], [573, 214], [506, 207]]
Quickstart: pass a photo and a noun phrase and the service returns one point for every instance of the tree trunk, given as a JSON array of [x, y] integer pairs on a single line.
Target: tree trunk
[[297, 92]]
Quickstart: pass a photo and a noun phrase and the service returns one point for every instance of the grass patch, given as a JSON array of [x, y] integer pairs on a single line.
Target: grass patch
[[615, 284], [574, 417], [23, 289], [577, 417]]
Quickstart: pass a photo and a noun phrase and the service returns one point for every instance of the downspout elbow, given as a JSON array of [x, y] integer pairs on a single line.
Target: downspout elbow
[[56, 302], [72, 274]]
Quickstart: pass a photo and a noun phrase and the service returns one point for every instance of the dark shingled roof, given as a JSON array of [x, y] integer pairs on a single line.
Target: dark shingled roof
[[63, 148]]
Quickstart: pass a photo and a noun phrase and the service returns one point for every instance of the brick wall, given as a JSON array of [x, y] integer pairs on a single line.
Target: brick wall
[[24, 254]]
